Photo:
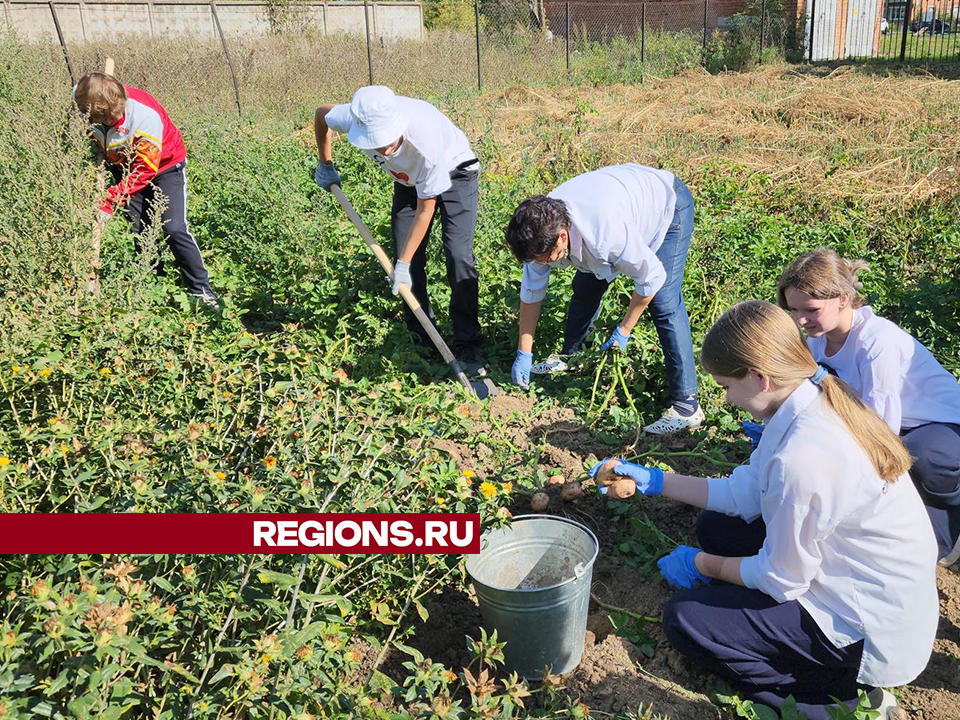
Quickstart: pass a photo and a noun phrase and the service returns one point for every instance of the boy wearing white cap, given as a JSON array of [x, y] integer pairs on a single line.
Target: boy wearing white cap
[[433, 167]]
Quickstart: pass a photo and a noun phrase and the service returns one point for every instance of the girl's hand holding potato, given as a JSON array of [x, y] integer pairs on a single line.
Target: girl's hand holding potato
[[615, 478]]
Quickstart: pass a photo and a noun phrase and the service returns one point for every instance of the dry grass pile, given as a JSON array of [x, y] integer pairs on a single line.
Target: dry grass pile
[[847, 133]]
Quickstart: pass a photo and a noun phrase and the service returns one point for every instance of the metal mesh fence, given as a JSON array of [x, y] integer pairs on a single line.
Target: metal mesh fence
[[904, 30], [455, 47]]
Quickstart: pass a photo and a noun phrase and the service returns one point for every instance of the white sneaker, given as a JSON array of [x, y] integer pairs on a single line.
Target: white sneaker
[[550, 366], [672, 422], [951, 557], [883, 706], [888, 707]]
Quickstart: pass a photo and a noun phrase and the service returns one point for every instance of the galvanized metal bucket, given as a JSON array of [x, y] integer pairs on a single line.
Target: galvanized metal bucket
[[532, 580]]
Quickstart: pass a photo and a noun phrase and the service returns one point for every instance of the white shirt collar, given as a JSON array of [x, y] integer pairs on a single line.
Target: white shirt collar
[[783, 418], [576, 243]]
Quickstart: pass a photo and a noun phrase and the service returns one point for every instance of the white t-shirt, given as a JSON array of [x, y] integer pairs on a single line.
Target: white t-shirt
[[619, 216], [892, 373], [856, 552], [432, 146]]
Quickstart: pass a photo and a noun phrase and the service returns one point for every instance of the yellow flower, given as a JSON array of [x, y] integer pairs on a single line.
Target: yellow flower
[[45, 372], [269, 462], [507, 487], [106, 371], [16, 368], [488, 489], [440, 500], [468, 473], [221, 475], [64, 448], [4, 461]]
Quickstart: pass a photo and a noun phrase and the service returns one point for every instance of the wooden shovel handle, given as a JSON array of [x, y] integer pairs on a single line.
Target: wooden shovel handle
[[405, 291]]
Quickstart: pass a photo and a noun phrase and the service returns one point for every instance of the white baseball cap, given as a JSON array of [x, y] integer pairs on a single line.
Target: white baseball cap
[[377, 122]]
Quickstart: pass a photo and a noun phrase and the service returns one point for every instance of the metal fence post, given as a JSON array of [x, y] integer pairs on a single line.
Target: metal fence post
[[763, 14], [568, 39], [643, 38], [813, 14], [906, 25], [63, 44], [226, 52], [705, 32], [366, 22], [476, 14]]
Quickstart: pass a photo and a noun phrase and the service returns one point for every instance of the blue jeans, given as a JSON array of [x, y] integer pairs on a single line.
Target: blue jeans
[[667, 309]]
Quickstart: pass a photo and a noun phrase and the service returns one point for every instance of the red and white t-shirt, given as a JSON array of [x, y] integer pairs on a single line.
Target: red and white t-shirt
[[144, 142]]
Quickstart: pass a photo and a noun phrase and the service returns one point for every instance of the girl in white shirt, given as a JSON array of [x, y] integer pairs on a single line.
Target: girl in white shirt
[[892, 373], [837, 594]]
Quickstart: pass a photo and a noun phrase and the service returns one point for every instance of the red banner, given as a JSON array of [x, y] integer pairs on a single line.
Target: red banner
[[241, 533]]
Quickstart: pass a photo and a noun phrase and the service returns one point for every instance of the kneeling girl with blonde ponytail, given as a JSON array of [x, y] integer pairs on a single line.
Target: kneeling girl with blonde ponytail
[[826, 563]]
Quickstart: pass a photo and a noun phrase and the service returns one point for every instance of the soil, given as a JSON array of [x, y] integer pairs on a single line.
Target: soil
[[614, 676]]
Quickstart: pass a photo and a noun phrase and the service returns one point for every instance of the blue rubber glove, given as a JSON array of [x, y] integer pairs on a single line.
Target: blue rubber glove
[[619, 338], [649, 480], [753, 431], [401, 276], [326, 176], [679, 569], [520, 373]]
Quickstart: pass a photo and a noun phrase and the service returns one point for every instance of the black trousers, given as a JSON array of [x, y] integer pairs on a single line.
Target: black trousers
[[768, 650], [936, 473], [172, 185], [458, 222]]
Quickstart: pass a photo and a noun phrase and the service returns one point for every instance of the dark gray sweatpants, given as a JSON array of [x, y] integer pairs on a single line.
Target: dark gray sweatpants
[[172, 184], [936, 473], [458, 222]]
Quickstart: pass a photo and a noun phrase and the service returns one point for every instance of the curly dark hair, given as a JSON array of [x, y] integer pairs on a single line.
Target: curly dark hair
[[535, 226]]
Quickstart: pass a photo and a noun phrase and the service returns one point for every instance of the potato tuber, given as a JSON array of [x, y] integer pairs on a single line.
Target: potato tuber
[[571, 491], [622, 488], [605, 475], [539, 501]]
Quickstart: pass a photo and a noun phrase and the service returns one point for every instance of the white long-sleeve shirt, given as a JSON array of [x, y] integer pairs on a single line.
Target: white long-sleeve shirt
[[619, 216], [892, 373], [856, 552]]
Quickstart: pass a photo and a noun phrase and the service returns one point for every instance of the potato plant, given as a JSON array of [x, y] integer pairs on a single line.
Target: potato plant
[[309, 395]]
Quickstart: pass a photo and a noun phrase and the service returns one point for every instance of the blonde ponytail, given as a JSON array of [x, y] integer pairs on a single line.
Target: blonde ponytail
[[757, 335], [822, 274]]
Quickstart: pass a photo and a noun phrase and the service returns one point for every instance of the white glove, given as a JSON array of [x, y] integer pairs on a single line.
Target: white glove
[[401, 276]]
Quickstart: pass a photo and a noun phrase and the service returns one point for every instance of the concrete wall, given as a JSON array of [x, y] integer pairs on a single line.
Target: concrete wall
[[81, 20]]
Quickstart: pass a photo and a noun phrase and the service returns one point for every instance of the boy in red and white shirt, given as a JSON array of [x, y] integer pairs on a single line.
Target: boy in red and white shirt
[[145, 153]]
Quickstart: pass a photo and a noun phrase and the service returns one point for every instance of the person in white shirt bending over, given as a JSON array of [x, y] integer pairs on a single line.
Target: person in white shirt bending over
[[624, 219], [816, 577], [433, 168], [893, 373]]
